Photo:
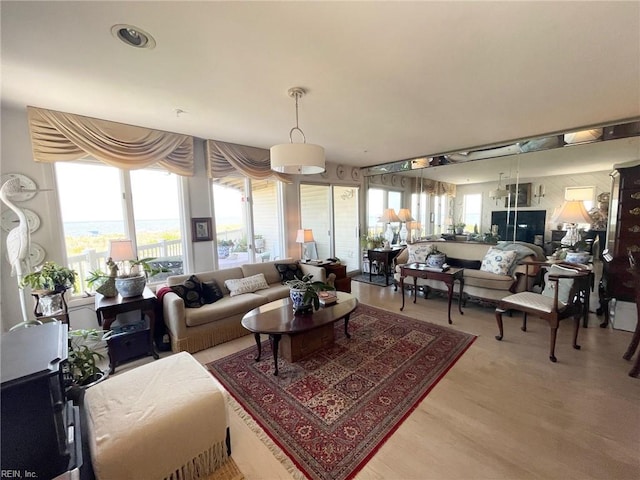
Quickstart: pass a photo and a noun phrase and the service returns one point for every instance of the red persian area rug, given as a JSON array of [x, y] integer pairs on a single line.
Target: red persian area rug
[[330, 412]]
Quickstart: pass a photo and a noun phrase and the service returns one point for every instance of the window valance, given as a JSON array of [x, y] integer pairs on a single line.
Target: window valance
[[58, 136], [224, 159], [434, 187]]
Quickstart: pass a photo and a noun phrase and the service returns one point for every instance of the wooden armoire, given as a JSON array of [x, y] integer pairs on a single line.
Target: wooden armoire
[[623, 236]]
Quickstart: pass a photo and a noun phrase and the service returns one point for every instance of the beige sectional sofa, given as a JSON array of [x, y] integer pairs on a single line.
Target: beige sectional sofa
[[482, 285], [195, 329]]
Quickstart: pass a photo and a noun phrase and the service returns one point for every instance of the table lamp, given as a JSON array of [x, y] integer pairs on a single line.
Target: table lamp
[[405, 216], [304, 236], [572, 212], [388, 216]]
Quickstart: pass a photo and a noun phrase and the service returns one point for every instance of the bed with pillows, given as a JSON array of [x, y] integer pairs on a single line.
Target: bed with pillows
[[205, 309], [491, 272]]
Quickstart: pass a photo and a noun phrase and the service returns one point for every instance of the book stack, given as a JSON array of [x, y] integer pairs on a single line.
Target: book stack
[[327, 297]]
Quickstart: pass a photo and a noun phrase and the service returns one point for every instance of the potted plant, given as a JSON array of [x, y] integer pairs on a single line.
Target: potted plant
[[460, 228], [435, 258], [304, 293], [224, 247], [51, 277], [372, 241], [49, 283], [129, 284], [84, 357]]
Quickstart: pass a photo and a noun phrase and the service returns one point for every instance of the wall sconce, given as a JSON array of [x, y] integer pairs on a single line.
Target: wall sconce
[[540, 193]]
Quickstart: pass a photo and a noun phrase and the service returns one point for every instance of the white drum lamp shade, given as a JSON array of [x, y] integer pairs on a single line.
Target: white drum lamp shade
[[297, 158]]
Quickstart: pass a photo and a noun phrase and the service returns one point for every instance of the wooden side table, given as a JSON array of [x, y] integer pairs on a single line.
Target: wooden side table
[[127, 345], [421, 270], [342, 282]]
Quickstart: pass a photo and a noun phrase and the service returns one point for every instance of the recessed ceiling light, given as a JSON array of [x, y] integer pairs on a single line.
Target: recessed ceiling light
[[133, 36]]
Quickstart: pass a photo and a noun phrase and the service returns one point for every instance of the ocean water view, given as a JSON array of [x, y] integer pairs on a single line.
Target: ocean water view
[[96, 228]]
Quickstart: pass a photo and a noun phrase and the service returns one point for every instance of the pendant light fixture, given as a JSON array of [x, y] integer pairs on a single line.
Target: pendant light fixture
[[297, 158], [499, 192]]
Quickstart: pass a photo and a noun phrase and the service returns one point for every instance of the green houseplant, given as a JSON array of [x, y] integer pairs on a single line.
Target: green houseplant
[[51, 277], [109, 284], [84, 358], [304, 293]]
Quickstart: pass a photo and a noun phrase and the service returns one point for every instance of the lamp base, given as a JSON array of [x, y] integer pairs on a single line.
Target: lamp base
[[572, 236], [388, 234]]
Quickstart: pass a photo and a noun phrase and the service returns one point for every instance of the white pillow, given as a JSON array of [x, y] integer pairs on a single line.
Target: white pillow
[[238, 286], [498, 261], [565, 285]]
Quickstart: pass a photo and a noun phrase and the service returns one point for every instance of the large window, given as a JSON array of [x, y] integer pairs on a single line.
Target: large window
[[247, 220], [378, 200], [99, 203], [472, 211]]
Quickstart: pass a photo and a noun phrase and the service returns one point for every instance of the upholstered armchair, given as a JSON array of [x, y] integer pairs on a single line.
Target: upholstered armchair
[[564, 294]]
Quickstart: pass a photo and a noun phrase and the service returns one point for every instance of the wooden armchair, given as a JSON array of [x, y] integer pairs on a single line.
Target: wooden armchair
[[566, 288]]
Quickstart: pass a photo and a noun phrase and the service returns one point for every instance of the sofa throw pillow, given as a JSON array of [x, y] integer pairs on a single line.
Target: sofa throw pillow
[[498, 261], [289, 271], [238, 286], [565, 285], [211, 292], [190, 291]]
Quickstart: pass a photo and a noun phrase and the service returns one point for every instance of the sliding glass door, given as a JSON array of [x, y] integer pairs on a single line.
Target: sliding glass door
[[331, 212]]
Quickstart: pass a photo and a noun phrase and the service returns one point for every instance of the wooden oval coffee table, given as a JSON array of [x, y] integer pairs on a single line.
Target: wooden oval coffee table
[[301, 335]]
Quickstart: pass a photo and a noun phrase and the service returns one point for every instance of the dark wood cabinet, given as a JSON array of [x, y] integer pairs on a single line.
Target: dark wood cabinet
[[623, 236], [342, 282]]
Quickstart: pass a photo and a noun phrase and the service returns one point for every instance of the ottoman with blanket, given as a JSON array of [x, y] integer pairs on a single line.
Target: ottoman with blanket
[[163, 420]]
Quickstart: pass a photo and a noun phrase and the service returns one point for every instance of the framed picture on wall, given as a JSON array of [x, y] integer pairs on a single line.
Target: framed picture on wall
[[524, 195], [201, 229]]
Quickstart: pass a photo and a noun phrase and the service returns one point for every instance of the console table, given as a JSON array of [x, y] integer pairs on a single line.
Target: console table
[[421, 270], [127, 345]]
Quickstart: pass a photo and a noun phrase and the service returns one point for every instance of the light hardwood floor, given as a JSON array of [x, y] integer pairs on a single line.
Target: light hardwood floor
[[504, 411]]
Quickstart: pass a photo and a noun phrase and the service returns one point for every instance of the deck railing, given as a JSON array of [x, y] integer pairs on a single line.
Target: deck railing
[[167, 253]]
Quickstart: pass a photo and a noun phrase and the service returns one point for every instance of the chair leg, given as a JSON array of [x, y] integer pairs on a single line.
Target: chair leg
[[576, 328], [499, 313], [552, 344], [524, 322]]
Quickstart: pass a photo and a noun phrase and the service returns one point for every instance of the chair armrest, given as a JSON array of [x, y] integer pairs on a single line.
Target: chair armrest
[[319, 273], [173, 310]]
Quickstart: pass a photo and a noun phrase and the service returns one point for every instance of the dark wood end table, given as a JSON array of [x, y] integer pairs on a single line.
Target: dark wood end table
[[301, 335], [421, 270], [108, 308], [385, 258]]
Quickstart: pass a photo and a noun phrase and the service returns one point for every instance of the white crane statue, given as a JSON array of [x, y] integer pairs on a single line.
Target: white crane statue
[[18, 242]]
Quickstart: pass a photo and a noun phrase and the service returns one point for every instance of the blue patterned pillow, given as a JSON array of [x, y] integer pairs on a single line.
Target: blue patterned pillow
[[498, 261]]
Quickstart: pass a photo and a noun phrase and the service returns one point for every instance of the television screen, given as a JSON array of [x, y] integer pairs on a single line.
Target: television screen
[[527, 225]]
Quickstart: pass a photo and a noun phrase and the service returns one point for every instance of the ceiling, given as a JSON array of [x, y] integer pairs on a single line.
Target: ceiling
[[386, 81]]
